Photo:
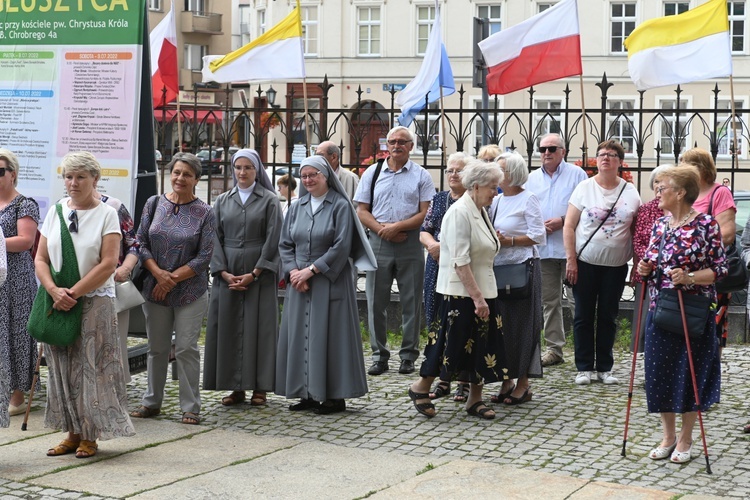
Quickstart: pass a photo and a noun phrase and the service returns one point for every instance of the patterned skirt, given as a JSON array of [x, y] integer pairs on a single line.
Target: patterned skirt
[[86, 391], [463, 342]]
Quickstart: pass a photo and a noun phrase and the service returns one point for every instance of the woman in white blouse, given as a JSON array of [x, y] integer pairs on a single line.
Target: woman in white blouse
[[517, 217]]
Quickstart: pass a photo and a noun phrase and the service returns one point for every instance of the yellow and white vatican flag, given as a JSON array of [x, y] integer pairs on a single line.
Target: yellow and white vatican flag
[[692, 46], [275, 55]]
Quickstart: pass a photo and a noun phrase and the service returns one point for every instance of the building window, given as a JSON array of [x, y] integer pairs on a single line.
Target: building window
[[154, 5], [668, 123], [194, 56], [430, 127], [541, 7], [196, 6], [736, 12], [310, 30], [245, 34], [314, 104], [425, 19], [620, 123], [725, 130], [368, 26], [675, 8], [547, 116], [261, 21], [492, 13], [622, 23]]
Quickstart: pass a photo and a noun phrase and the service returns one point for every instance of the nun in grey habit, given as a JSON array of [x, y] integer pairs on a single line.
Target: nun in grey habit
[[241, 331], [319, 358]]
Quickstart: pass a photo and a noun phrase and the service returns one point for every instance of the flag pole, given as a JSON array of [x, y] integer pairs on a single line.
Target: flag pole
[[583, 118], [307, 121], [736, 159], [442, 126]]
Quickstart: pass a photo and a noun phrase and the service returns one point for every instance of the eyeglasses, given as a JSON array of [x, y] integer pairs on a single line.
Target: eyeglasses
[[551, 149], [400, 142], [607, 155], [305, 177], [2, 171], [73, 218], [660, 189], [450, 172]]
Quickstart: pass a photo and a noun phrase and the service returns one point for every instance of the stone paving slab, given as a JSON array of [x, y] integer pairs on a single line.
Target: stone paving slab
[[308, 470], [34, 427], [26, 459], [195, 455]]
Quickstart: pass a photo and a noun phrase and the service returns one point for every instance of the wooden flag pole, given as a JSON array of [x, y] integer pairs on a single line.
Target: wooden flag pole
[[442, 126], [736, 157], [583, 118], [307, 121]]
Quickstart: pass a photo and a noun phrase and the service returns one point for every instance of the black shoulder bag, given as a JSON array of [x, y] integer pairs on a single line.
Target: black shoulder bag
[[667, 313], [140, 272], [737, 275]]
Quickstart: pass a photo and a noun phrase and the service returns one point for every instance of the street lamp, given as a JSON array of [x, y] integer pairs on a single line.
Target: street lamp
[[271, 95]]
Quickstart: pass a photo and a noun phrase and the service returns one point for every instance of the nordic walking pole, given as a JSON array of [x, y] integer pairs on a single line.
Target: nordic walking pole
[[692, 374], [33, 386], [639, 311]]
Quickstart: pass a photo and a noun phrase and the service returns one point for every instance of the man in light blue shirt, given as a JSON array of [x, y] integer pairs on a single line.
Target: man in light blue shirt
[[553, 184], [402, 194]]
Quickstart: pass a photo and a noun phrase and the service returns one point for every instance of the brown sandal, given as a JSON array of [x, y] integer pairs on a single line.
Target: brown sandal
[[145, 412], [190, 418], [259, 398], [66, 446], [235, 398], [86, 449]]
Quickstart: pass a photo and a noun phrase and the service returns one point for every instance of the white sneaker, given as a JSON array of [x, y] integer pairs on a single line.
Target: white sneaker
[[607, 378], [583, 378]]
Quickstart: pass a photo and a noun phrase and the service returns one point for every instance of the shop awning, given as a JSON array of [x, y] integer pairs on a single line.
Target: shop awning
[[202, 115]]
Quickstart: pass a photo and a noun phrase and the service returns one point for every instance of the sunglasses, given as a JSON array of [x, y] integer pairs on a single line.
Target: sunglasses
[[73, 218], [2, 171], [551, 149], [400, 142]]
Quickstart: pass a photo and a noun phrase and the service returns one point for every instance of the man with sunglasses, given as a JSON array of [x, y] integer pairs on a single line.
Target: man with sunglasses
[[553, 184], [393, 211]]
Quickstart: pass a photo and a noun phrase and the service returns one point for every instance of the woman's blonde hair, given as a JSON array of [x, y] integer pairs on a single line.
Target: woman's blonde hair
[[81, 161]]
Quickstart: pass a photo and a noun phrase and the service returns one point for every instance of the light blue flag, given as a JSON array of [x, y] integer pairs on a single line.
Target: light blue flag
[[435, 72]]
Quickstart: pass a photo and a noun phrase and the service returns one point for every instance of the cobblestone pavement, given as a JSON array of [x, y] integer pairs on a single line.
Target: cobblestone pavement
[[566, 429]]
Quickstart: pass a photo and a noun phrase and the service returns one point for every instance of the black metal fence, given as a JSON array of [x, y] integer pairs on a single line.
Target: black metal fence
[[651, 136]]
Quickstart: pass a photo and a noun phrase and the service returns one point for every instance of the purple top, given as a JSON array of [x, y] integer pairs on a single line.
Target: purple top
[[179, 235]]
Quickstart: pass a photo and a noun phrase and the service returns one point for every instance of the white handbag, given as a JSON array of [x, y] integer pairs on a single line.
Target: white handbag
[[127, 296]]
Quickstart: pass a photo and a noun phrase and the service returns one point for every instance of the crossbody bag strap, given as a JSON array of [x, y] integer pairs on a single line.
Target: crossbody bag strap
[[711, 201], [374, 180], [609, 212], [659, 270], [67, 244]]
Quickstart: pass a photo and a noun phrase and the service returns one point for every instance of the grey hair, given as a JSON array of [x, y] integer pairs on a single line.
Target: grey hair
[[190, 160], [515, 168], [81, 161], [558, 137], [655, 173], [333, 149], [458, 158], [400, 128], [11, 162], [480, 173]]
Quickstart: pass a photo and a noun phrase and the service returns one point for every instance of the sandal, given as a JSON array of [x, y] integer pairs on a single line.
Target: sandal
[[145, 412], [190, 418], [258, 399], [66, 446], [441, 390], [481, 410], [426, 409], [235, 398], [746, 429], [501, 396], [462, 392], [525, 397], [86, 449]]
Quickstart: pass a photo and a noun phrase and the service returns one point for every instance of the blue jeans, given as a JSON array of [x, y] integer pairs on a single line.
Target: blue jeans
[[597, 295]]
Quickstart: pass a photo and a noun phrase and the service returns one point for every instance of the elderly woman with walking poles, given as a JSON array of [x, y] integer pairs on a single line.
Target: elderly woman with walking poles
[[685, 253]]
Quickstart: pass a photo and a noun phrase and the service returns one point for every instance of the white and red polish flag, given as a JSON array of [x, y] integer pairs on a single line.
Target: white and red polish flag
[[164, 73], [540, 49]]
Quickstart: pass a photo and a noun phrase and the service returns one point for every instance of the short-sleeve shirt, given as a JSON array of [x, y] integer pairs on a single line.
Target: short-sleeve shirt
[[723, 201], [612, 244], [397, 194], [93, 225], [519, 215]]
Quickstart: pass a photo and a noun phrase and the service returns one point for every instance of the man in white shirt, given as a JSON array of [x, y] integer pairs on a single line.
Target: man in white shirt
[[553, 184], [332, 153]]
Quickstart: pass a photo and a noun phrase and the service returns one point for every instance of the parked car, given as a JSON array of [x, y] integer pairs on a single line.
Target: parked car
[[212, 160], [742, 200]]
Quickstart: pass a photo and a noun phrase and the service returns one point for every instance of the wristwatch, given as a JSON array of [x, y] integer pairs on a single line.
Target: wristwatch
[[692, 278], [312, 269]]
